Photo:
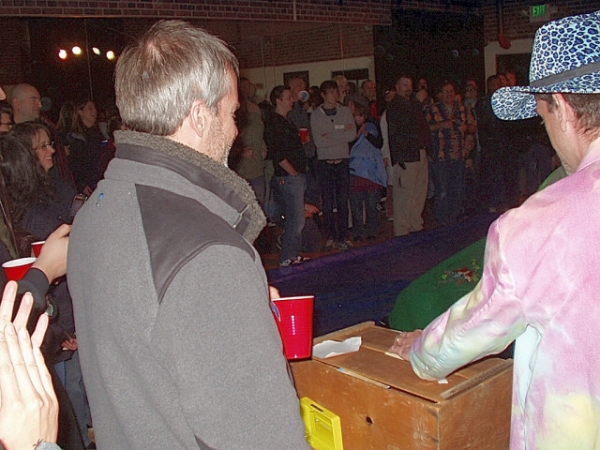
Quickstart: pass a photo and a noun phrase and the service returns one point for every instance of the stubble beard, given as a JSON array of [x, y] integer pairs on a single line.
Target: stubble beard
[[218, 147]]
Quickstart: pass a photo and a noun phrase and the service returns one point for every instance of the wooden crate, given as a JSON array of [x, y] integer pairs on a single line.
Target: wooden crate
[[384, 405]]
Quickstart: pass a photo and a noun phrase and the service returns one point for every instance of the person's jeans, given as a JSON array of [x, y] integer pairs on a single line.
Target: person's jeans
[[491, 183], [76, 392], [369, 199], [439, 174], [259, 186], [334, 180], [69, 372], [292, 189], [456, 189], [448, 179]]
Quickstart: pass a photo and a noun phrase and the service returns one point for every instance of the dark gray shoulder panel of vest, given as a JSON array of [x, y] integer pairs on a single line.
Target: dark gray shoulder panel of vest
[[177, 229]]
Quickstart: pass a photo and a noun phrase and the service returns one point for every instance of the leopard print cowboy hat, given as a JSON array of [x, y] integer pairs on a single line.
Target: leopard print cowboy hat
[[565, 58]]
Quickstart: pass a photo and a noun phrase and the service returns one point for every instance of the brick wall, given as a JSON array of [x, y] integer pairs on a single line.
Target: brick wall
[[12, 66], [350, 11], [516, 19], [457, 6], [260, 31], [318, 44], [264, 32], [280, 43]]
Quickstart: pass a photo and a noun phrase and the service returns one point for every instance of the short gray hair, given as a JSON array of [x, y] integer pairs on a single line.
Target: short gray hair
[[159, 78]]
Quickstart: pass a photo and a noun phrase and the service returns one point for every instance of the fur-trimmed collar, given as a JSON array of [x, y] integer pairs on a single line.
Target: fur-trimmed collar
[[224, 183]]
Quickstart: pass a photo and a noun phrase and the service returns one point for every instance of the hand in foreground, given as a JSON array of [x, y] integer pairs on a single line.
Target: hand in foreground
[[53, 259], [403, 343], [6, 313], [28, 404]]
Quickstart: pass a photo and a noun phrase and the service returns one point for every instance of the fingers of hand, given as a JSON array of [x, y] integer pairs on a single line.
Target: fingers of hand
[[403, 343], [50, 402], [24, 310], [8, 381], [40, 331], [44, 375], [60, 232], [25, 383], [33, 370], [7, 305], [402, 337], [16, 366]]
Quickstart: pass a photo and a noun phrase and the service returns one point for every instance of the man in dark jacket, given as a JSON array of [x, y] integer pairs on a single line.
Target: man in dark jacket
[[408, 137], [179, 348]]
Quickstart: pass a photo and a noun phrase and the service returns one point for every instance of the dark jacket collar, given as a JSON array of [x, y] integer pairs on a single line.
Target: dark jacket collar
[[212, 176]]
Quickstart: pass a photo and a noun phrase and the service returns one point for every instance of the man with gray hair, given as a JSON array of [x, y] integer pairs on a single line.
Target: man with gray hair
[[178, 345]]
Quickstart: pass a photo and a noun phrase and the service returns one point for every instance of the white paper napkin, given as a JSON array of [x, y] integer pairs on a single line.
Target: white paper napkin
[[327, 349]]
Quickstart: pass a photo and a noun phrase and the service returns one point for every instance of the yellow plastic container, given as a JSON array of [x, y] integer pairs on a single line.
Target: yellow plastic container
[[323, 428]]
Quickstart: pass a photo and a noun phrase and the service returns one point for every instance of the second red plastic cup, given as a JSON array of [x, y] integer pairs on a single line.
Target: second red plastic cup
[[17, 268], [304, 136], [37, 247], [294, 317]]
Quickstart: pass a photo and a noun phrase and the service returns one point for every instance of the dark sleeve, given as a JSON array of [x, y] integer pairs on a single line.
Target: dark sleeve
[[83, 164], [398, 140], [375, 139], [278, 140], [35, 281], [424, 131]]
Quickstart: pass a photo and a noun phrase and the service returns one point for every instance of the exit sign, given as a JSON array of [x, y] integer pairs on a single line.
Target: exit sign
[[539, 13]]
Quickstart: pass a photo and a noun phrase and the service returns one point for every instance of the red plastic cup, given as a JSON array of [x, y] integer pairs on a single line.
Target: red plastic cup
[[37, 247], [304, 136], [294, 317], [17, 268]]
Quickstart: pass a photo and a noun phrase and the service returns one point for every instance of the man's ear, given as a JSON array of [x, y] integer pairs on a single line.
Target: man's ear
[[564, 111], [199, 118]]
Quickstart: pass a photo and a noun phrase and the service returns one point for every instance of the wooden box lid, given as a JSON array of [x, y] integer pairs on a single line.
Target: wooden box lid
[[372, 363]]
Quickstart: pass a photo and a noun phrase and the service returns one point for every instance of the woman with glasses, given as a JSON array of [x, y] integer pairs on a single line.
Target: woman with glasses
[[39, 204]]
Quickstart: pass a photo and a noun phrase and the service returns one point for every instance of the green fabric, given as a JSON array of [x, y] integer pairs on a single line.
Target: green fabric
[[434, 292]]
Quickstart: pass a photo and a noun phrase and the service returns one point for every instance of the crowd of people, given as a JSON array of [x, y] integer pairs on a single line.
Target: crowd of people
[[39, 165], [315, 169], [175, 337], [336, 149]]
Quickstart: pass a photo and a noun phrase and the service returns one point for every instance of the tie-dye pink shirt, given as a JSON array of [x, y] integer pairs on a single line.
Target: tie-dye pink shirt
[[541, 286]]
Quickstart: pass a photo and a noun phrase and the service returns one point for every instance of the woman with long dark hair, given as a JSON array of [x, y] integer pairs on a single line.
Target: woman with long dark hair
[[39, 204]]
